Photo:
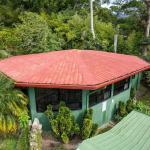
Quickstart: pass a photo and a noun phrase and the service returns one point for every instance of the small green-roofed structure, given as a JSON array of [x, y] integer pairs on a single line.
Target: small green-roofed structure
[[132, 133]]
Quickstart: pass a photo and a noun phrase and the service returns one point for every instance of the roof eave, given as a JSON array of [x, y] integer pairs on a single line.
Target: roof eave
[[82, 87]]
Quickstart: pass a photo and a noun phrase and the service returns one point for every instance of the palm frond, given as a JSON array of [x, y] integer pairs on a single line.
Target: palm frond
[[12, 103]]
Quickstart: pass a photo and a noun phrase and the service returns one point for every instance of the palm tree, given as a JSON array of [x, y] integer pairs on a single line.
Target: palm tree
[[12, 103]]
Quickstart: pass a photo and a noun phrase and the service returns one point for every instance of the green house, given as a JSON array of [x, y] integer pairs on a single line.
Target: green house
[[83, 79]]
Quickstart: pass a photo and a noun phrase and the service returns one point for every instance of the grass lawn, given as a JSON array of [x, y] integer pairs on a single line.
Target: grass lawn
[[8, 144]]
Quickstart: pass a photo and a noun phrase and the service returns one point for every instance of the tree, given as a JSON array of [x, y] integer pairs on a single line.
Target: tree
[[91, 18], [147, 30], [91, 15], [32, 33], [12, 103], [131, 17]]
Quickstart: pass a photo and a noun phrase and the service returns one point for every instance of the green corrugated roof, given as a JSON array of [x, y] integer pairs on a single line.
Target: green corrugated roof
[[132, 133]]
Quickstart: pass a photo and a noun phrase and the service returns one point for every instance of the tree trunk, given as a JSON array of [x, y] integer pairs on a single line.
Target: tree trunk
[[115, 42], [147, 30], [91, 18]]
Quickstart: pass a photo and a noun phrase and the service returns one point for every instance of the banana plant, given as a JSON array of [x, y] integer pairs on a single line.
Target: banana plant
[[12, 103]]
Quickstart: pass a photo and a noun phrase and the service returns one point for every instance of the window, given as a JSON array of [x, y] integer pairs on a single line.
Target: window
[[133, 77], [44, 97], [121, 86], [100, 96], [24, 90]]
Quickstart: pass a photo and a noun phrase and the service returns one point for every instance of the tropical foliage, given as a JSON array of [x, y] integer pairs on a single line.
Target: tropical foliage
[[12, 103], [8, 143], [63, 124], [23, 140], [125, 108], [35, 26], [88, 127]]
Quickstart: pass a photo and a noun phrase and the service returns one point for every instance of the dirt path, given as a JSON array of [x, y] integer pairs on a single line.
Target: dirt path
[[50, 143]]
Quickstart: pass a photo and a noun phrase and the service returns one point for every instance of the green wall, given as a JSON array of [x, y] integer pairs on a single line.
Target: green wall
[[42, 117], [100, 115]]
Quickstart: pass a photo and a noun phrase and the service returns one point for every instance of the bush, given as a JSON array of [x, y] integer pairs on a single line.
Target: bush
[[63, 123], [140, 106], [94, 129], [4, 54], [124, 109], [65, 138], [130, 105], [133, 93], [8, 143], [88, 128], [146, 78], [23, 141], [121, 111]]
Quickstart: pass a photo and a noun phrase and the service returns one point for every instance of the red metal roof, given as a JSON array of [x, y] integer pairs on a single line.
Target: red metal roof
[[71, 69]]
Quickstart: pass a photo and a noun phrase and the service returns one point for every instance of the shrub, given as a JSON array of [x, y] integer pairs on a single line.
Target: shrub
[[63, 123], [146, 78], [88, 128], [8, 143], [4, 54], [140, 106], [23, 141], [130, 105], [124, 109], [121, 111], [65, 138], [94, 129], [132, 93]]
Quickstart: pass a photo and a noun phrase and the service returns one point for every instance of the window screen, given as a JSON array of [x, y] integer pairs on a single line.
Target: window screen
[[100, 96], [44, 97], [121, 86]]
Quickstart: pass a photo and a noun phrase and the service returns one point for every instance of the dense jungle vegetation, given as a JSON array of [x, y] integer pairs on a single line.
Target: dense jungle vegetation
[[33, 26]]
